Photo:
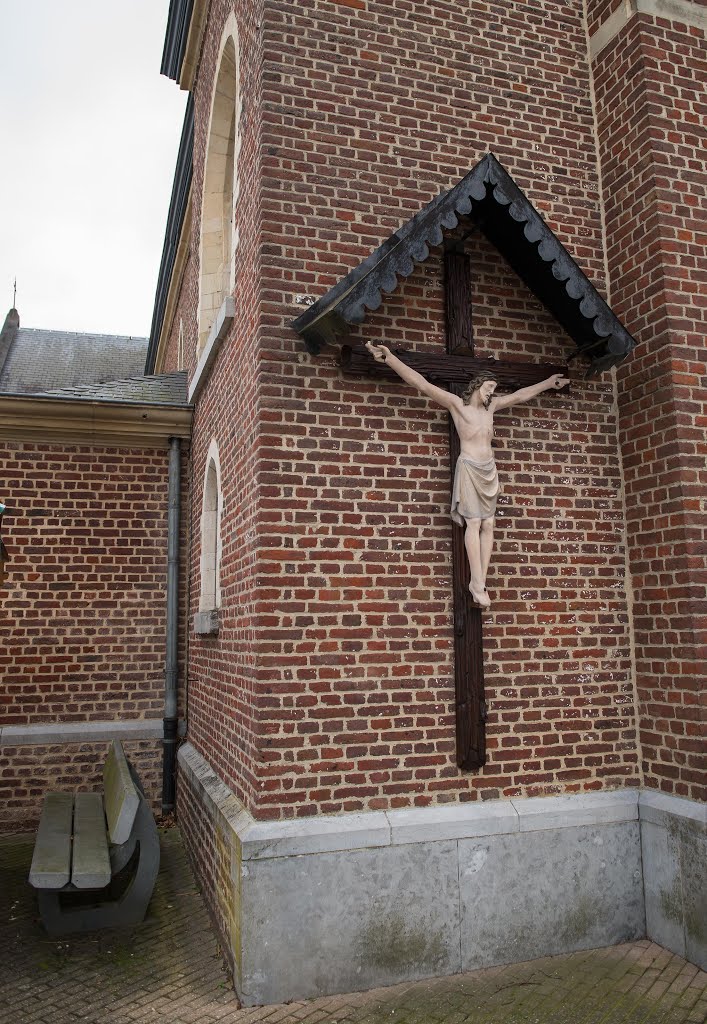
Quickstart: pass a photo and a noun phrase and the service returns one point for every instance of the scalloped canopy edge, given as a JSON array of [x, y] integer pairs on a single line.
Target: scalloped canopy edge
[[488, 198]]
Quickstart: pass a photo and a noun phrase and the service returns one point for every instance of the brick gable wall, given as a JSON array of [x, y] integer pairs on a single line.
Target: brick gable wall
[[31, 771], [185, 305], [222, 686], [330, 685], [651, 112], [83, 634]]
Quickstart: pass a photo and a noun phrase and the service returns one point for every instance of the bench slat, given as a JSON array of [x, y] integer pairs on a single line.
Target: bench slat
[[51, 862], [91, 863], [121, 796]]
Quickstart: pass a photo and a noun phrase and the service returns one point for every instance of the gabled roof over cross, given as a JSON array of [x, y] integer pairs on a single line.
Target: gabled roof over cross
[[486, 198]]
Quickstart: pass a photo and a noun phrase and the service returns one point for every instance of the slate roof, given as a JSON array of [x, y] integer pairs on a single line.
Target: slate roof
[[158, 389], [39, 360], [487, 198]]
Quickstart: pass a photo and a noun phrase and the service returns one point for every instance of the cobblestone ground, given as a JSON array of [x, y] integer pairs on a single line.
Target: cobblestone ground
[[170, 969]]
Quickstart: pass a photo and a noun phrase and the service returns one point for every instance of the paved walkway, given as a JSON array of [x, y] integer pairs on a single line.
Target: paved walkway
[[170, 969]]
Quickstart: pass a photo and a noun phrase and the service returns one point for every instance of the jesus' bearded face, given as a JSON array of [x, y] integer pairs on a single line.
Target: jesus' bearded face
[[486, 392], [485, 383]]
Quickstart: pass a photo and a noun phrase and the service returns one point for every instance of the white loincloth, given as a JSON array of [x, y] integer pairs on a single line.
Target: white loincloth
[[475, 490]]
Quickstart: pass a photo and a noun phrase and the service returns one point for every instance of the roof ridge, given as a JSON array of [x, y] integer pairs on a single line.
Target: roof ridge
[[85, 334]]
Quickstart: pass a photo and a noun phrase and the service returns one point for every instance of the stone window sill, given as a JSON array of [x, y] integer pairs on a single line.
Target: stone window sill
[[206, 623], [221, 325]]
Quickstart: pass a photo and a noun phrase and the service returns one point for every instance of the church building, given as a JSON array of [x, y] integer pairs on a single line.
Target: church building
[[379, 778]]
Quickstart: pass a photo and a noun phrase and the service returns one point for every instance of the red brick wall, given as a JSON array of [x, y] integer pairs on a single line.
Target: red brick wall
[[216, 869], [599, 11], [185, 306], [330, 685], [222, 687], [83, 633], [28, 772], [651, 112]]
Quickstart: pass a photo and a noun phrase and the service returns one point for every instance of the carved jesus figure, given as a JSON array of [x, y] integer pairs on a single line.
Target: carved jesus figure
[[476, 486]]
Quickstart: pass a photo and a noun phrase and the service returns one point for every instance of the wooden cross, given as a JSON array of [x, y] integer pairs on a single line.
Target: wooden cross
[[452, 371]]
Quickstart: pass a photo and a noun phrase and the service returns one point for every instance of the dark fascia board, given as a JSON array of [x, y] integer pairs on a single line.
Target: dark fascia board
[[489, 198], [175, 40], [175, 222]]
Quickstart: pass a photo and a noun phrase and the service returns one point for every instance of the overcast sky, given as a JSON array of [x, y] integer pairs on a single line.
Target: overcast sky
[[90, 137]]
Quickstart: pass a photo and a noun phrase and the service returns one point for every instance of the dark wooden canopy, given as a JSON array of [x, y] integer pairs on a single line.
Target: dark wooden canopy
[[487, 198]]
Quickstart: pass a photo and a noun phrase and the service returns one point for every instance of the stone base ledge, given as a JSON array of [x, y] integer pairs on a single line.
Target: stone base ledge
[[294, 837], [674, 850], [51, 733], [315, 906], [663, 809]]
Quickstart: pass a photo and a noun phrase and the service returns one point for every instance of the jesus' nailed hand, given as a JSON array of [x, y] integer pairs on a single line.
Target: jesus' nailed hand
[[476, 485]]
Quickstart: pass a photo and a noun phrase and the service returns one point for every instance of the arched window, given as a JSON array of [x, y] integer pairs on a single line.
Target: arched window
[[218, 231], [210, 596]]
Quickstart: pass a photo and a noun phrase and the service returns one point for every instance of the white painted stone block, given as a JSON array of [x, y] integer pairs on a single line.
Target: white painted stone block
[[331, 922], [540, 813], [452, 821], [343, 902], [547, 892]]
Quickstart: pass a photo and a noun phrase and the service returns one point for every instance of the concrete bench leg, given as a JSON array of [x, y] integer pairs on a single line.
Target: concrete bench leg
[[64, 912]]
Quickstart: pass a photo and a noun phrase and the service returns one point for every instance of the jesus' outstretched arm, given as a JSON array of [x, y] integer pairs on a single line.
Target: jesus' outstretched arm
[[383, 355], [553, 383]]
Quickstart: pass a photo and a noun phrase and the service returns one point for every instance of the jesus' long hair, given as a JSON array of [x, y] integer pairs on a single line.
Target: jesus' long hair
[[475, 383]]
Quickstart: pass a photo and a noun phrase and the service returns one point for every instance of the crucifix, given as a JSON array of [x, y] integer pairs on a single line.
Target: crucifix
[[452, 372]]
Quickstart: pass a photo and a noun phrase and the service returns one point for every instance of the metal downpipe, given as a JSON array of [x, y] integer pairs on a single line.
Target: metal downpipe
[[170, 721]]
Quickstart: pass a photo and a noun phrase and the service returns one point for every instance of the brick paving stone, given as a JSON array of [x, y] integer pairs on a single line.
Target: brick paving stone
[[170, 969]]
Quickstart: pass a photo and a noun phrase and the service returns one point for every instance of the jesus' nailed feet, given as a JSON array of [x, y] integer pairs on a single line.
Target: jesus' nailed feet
[[480, 597]]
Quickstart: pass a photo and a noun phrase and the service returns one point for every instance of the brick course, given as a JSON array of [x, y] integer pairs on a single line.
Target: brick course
[[84, 603], [330, 685], [651, 113], [183, 311], [222, 680], [28, 772]]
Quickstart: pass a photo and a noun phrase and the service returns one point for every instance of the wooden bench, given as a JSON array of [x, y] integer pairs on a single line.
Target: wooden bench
[[96, 855]]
